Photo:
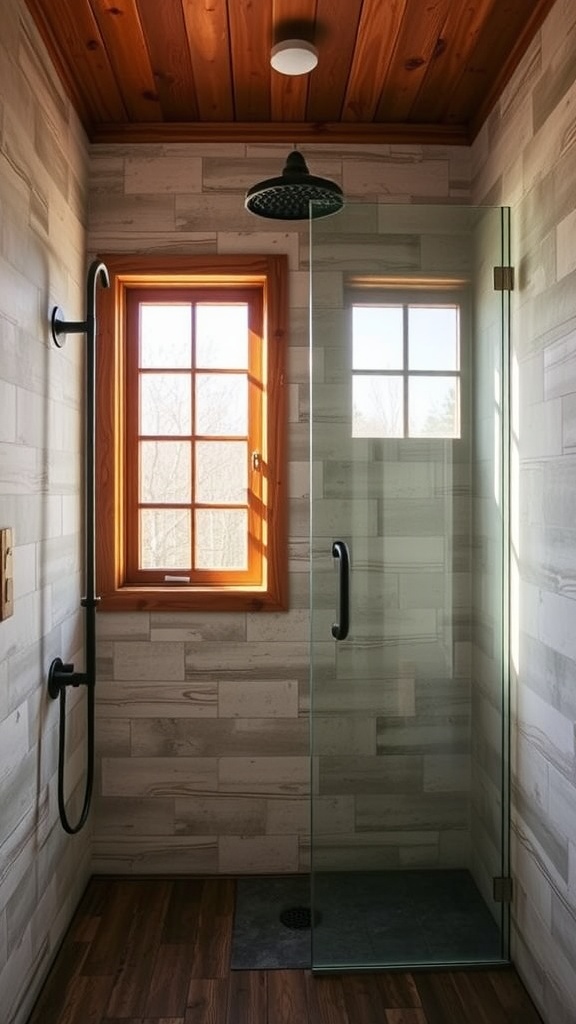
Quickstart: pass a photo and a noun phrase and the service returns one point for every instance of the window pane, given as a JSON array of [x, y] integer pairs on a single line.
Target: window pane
[[165, 538], [165, 403], [377, 407], [221, 539], [221, 403], [222, 336], [433, 404], [165, 475], [221, 472], [165, 333], [433, 338], [377, 338]]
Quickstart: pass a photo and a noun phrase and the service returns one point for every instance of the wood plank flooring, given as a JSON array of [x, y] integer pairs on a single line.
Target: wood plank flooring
[[157, 951]]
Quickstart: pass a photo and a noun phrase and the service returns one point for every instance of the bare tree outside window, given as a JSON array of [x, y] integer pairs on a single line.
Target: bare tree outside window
[[200, 418], [377, 407]]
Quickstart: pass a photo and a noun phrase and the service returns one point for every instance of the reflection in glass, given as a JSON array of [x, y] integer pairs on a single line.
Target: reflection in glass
[[221, 472], [433, 407], [411, 867], [377, 406], [377, 333], [165, 538], [165, 335], [165, 474], [222, 336], [221, 404], [433, 338], [165, 403], [221, 538]]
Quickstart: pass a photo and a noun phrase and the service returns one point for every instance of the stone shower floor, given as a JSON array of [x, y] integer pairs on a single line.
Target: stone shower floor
[[371, 919]]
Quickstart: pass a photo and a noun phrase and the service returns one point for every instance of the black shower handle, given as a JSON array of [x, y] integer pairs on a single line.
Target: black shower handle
[[340, 628]]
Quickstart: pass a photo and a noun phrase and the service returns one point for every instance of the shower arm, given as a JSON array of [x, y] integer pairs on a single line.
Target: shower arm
[[63, 674]]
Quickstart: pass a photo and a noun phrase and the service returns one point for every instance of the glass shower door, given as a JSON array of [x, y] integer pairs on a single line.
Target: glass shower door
[[408, 666]]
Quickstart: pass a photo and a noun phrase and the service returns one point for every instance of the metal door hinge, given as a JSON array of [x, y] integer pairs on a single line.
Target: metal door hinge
[[502, 890], [503, 279]]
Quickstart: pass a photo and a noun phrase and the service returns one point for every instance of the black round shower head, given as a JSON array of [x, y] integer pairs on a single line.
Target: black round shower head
[[288, 197]]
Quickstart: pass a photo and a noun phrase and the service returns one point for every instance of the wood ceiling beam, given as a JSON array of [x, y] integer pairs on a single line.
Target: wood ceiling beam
[[288, 133]]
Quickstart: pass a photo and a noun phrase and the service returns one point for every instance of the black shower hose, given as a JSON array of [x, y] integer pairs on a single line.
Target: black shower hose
[[73, 829]]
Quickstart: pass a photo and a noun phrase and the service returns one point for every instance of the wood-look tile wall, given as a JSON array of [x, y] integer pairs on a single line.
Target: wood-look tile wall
[[43, 201], [203, 719], [525, 157]]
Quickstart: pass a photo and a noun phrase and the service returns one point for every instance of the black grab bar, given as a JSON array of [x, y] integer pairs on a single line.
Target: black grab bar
[[340, 628], [61, 675]]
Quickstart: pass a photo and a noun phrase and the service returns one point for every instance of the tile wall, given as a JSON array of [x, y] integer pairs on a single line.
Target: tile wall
[[43, 201], [525, 157], [203, 719]]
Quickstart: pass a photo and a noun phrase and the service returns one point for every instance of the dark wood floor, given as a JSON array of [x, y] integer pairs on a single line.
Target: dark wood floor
[[157, 951]]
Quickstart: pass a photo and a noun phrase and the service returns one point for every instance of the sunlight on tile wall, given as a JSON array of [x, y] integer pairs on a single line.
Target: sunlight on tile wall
[[43, 198], [525, 157]]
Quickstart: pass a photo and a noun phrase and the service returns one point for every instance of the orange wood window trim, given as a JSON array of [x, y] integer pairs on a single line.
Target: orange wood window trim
[[267, 275], [256, 437]]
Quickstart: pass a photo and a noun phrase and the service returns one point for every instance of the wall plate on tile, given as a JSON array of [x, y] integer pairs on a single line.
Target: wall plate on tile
[[6, 574]]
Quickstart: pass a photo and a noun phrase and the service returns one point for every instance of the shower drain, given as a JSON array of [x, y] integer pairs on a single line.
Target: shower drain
[[298, 918]]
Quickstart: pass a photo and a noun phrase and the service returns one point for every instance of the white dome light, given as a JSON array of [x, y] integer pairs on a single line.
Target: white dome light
[[294, 57]]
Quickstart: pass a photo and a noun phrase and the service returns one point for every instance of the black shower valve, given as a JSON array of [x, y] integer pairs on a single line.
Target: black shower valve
[[62, 674]]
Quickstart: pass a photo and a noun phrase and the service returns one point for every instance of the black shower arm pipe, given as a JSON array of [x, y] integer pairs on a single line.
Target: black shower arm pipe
[[96, 270], [61, 674]]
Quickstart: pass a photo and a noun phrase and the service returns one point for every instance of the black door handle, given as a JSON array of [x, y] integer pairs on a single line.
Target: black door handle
[[340, 628]]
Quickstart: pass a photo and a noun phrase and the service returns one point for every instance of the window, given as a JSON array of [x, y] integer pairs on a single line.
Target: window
[[190, 434], [405, 366]]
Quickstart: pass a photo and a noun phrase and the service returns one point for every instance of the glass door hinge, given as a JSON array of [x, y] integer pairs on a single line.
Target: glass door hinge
[[503, 279], [502, 890]]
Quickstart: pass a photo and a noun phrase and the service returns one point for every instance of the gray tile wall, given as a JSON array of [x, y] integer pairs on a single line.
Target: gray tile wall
[[525, 157], [203, 719], [43, 199]]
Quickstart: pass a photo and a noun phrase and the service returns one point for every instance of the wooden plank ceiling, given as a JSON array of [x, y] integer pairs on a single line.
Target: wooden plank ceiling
[[199, 70]]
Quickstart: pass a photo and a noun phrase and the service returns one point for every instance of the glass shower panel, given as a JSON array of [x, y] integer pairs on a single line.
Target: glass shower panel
[[408, 481]]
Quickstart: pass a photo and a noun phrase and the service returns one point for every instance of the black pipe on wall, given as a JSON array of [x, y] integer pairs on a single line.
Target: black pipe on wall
[[61, 674]]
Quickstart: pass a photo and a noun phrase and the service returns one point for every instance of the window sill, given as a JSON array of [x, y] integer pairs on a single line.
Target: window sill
[[191, 599]]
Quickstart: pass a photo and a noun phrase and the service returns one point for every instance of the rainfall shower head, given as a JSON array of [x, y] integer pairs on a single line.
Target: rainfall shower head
[[288, 197]]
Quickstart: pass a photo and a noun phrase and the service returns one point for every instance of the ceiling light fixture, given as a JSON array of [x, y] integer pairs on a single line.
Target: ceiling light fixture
[[294, 57]]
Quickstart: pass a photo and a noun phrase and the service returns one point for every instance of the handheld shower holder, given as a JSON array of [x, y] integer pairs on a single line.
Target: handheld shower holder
[[60, 326]]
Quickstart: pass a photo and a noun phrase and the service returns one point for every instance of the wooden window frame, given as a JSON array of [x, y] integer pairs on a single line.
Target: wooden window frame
[[128, 274]]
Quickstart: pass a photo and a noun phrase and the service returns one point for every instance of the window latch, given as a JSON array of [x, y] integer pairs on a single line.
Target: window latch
[[256, 461]]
